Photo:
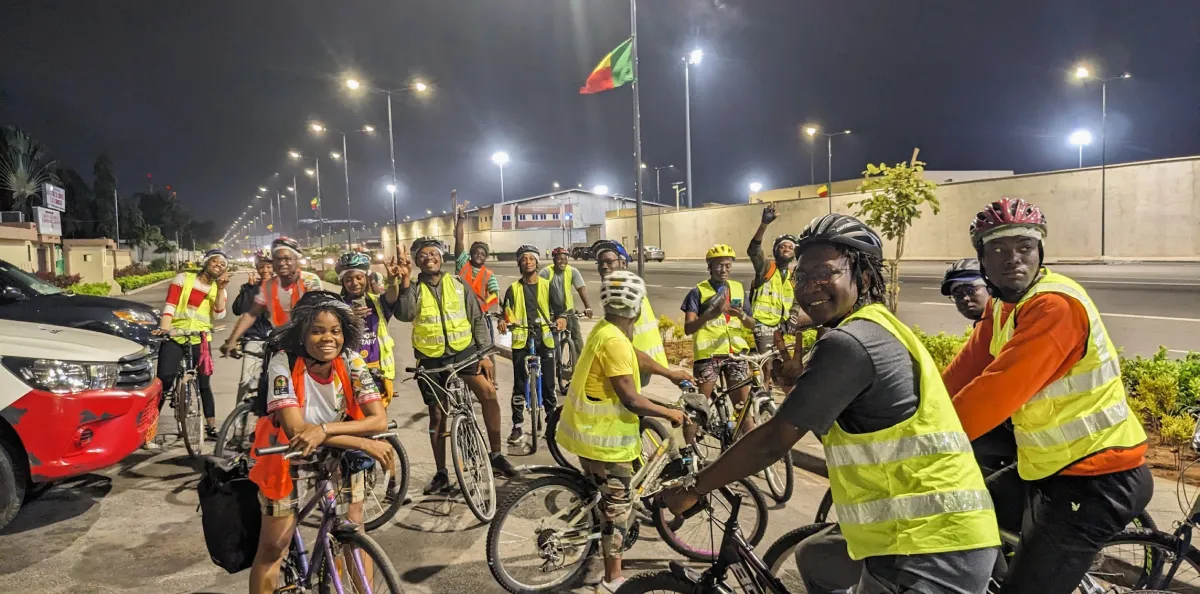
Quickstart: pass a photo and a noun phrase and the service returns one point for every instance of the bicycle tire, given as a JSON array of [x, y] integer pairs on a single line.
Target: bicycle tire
[[367, 545], [534, 386], [468, 447], [191, 428], [234, 430], [560, 457], [783, 550], [393, 498], [1160, 550], [657, 431], [662, 523], [656, 581], [564, 358], [583, 492], [780, 478], [824, 508]]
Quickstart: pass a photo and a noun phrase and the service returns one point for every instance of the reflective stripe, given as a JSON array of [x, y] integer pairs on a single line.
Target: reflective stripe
[[948, 442], [1083, 382], [602, 441], [655, 351], [644, 328], [1076, 429], [914, 506]]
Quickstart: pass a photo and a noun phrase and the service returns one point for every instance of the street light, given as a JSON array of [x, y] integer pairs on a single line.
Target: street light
[[555, 185], [600, 189], [811, 131], [1083, 74], [1079, 138], [500, 158], [829, 154], [658, 182], [692, 59], [755, 187], [316, 175]]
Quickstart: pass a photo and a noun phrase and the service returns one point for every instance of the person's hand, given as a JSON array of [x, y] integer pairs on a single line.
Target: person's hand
[[769, 214], [230, 349], [400, 266], [485, 367], [253, 279], [679, 500], [307, 440], [502, 326], [362, 311], [381, 451], [730, 310], [223, 281], [160, 331], [561, 324], [676, 416], [392, 267], [588, 312], [678, 376]]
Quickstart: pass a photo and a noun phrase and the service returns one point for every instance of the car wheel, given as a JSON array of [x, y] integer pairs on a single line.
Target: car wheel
[[12, 482]]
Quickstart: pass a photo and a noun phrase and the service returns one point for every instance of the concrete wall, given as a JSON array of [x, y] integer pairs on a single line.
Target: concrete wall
[[19, 253], [850, 186], [1152, 212], [92, 259]]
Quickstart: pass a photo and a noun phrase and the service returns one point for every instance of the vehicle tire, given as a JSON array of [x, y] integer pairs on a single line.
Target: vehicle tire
[[236, 434], [191, 419], [560, 457], [473, 468], [394, 488], [385, 573], [780, 555], [779, 476], [13, 481], [658, 581], [668, 528], [573, 577]]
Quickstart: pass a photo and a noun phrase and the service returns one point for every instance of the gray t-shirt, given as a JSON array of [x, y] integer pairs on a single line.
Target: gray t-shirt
[[557, 299]]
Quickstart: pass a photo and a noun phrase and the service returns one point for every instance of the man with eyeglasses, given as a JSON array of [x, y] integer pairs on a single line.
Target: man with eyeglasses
[[963, 284]]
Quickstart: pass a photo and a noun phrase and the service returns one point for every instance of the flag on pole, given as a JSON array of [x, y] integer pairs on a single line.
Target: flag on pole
[[315, 203], [270, 227], [616, 69], [823, 191]]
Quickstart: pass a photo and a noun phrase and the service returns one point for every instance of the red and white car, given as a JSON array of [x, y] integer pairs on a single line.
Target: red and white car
[[71, 401]]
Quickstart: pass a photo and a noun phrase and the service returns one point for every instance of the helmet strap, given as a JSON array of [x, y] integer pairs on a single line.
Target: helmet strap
[[994, 290]]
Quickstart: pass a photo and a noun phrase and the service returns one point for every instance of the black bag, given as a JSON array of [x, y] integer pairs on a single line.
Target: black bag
[[230, 512], [264, 379]]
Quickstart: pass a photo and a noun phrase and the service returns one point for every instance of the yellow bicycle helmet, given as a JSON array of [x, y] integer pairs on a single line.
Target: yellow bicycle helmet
[[720, 251]]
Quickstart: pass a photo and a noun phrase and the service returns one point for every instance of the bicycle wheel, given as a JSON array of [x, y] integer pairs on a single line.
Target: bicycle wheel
[[1142, 559], [657, 581], [237, 432], [564, 357], [473, 468], [535, 410], [191, 426], [780, 481], [824, 509], [385, 491], [780, 556], [536, 543], [561, 458], [698, 538], [361, 567]]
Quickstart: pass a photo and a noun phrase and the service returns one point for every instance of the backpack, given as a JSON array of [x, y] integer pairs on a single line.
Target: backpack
[[264, 379], [230, 513]]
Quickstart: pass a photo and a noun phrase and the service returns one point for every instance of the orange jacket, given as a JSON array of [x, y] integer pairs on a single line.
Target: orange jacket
[[270, 288], [477, 279], [1049, 339]]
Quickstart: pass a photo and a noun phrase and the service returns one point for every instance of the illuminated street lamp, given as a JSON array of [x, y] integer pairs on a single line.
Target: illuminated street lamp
[[815, 130], [600, 189], [692, 59], [1083, 74], [755, 187], [1080, 138], [500, 158], [316, 175], [555, 185]]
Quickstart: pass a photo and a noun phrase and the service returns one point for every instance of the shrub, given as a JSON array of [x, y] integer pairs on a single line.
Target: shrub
[[670, 329], [138, 269], [160, 265], [61, 281], [130, 283], [942, 347], [101, 289], [1176, 433], [331, 277]]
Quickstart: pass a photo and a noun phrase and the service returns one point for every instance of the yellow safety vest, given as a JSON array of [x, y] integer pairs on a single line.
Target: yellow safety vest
[[646, 336], [387, 361], [720, 336], [1082, 413], [775, 298], [197, 319], [912, 488], [516, 315], [568, 279], [439, 324], [597, 426]]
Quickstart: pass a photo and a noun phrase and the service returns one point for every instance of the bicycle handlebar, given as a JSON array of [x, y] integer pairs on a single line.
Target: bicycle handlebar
[[757, 358], [477, 357], [288, 454]]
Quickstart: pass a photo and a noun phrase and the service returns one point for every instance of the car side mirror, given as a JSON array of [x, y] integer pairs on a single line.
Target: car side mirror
[[11, 295]]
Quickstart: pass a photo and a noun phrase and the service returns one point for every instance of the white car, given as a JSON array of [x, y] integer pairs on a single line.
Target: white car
[[71, 401]]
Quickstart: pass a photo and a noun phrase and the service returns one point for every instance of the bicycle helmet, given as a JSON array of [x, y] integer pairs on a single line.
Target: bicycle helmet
[[285, 243], [720, 251], [262, 256], [608, 245], [424, 242], [963, 271], [621, 293], [781, 239], [353, 261], [214, 253], [480, 244], [1008, 217], [559, 250], [528, 249], [322, 299], [844, 230]]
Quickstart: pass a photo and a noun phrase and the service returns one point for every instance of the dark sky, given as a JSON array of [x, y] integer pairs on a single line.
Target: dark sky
[[209, 96]]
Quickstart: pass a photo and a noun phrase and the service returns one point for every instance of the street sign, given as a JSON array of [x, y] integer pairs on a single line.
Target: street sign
[[48, 221], [54, 197]]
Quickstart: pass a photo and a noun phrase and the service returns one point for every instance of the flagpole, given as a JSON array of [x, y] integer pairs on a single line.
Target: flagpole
[[637, 139]]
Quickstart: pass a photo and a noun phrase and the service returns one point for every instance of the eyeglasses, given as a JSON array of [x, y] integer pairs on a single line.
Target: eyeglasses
[[965, 291], [820, 277], [721, 265]]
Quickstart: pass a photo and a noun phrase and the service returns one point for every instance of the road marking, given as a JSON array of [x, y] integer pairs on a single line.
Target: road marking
[[1177, 351], [1094, 282], [1107, 315], [684, 288], [655, 286], [936, 303], [932, 288]]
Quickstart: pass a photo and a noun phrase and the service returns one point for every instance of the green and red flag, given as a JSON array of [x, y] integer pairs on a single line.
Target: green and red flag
[[315, 203], [616, 69]]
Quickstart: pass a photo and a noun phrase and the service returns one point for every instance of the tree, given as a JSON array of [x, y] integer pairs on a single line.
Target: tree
[[78, 222], [897, 194], [23, 168], [104, 189]]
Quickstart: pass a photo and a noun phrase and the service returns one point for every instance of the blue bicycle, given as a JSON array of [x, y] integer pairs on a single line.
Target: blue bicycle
[[533, 380]]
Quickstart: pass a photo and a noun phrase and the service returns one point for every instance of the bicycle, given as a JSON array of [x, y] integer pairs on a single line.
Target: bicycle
[[564, 354], [236, 434], [468, 448], [189, 414], [533, 381], [339, 544], [571, 498]]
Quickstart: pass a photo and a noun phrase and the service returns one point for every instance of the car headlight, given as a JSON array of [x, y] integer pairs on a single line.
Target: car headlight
[[63, 377], [134, 316], [379, 257]]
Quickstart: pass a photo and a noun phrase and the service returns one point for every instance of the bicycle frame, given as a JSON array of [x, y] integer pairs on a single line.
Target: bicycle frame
[[737, 555]]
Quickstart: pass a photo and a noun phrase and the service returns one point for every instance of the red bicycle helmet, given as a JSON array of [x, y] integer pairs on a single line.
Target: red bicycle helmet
[[559, 250], [1006, 212]]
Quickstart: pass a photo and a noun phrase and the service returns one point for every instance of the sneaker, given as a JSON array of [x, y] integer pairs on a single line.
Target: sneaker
[[503, 466], [439, 484], [152, 446], [609, 587], [516, 436], [210, 433]]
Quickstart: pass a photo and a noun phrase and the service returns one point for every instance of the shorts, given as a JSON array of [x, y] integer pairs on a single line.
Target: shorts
[[428, 394], [764, 337], [612, 480], [709, 370], [352, 490]]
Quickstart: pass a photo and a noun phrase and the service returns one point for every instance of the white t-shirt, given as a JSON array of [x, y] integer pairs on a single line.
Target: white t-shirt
[[324, 401], [310, 281]]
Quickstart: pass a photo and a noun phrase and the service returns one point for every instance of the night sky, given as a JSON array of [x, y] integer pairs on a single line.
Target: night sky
[[209, 96]]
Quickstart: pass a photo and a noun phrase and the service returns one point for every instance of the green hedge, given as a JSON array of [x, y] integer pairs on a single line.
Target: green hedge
[[130, 283], [331, 277], [101, 289]]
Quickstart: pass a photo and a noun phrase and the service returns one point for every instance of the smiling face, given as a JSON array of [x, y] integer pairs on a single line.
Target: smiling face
[[1011, 263], [215, 267], [607, 262], [785, 251], [718, 268], [286, 264], [429, 259], [355, 283], [825, 289], [478, 256], [265, 269], [324, 340], [560, 262]]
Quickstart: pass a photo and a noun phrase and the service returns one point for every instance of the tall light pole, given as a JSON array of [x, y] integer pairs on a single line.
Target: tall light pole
[[315, 174], [1079, 138], [829, 155], [418, 87], [500, 158], [812, 153], [692, 59], [1083, 74], [345, 158], [658, 183]]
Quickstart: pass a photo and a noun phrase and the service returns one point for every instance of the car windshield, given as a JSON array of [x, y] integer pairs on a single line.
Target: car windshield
[[28, 281]]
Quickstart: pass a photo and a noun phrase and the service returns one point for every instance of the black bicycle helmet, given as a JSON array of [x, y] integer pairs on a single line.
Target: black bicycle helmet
[[322, 299], [528, 249], [844, 230], [424, 242], [480, 244], [783, 238], [964, 270]]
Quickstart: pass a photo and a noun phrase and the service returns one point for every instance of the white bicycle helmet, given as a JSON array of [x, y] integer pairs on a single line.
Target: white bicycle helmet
[[621, 293]]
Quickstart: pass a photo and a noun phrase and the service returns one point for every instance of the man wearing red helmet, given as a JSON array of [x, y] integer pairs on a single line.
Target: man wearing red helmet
[[1041, 355]]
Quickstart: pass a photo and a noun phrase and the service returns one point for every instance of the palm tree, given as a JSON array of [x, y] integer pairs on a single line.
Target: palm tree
[[22, 170]]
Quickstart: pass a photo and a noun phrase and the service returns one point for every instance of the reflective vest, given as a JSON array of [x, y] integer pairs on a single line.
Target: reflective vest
[[477, 279], [720, 336], [912, 488], [568, 279], [387, 361], [271, 288], [775, 297], [646, 336], [598, 426], [1083, 412], [439, 323], [193, 319], [516, 315], [272, 473]]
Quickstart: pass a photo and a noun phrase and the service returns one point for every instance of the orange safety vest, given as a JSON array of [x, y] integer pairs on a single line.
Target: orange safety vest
[[478, 281], [272, 473], [271, 289]]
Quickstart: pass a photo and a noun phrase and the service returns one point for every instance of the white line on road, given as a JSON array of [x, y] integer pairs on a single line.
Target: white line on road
[[1177, 351], [1090, 281], [685, 288], [1107, 315], [936, 303], [932, 288]]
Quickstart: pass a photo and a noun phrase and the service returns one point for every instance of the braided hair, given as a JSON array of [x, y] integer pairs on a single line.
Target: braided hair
[[290, 337], [867, 269]]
